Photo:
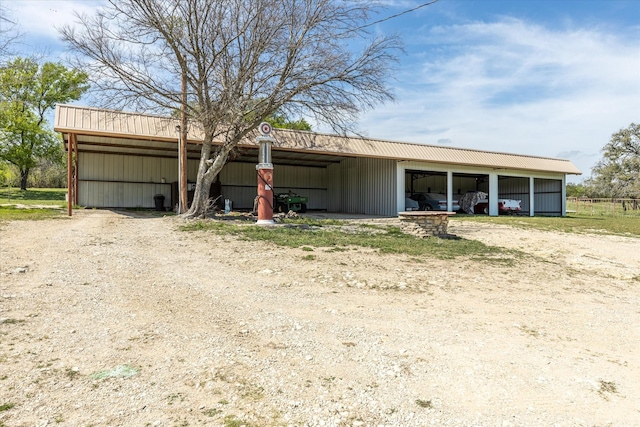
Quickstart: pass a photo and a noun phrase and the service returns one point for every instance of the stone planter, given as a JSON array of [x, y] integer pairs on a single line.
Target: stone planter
[[425, 223]]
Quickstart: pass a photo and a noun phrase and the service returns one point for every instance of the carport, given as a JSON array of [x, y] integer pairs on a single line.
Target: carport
[[122, 160]]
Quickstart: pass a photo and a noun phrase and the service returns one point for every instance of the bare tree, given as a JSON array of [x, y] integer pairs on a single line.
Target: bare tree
[[9, 32], [243, 60]]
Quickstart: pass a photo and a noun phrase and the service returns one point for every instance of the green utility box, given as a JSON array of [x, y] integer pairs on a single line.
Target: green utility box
[[285, 202]]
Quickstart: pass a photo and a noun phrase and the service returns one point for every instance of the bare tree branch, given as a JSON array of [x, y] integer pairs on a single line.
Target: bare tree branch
[[243, 59]]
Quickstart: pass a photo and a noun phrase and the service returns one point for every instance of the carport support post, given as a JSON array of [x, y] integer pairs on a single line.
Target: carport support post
[[493, 194], [449, 191], [532, 196], [76, 163], [70, 195]]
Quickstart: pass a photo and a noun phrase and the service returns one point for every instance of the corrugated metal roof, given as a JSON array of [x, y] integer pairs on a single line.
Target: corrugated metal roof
[[93, 121], [134, 126]]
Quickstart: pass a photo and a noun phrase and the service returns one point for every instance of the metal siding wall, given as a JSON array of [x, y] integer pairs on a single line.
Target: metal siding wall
[[239, 184], [118, 181], [240, 180], [369, 186], [483, 186], [334, 188], [548, 196], [192, 170], [516, 188], [98, 194], [462, 184], [438, 184]]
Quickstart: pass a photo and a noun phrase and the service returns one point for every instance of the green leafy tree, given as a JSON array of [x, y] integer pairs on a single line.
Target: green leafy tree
[[617, 174], [576, 190], [28, 92], [281, 121]]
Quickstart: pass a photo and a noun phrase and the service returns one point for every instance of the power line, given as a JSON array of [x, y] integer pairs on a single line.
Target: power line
[[399, 14]]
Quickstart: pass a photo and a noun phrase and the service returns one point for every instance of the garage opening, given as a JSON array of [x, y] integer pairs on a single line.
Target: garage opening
[[426, 191], [548, 196], [429, 188], [515, 188], [425, 182], [464, 182]]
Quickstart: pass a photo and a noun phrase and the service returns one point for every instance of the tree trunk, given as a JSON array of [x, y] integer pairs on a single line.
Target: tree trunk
[[199, 205], [207, 172], [24, 175]]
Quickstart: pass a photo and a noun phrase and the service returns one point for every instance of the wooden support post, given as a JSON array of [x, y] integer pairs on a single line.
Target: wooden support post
[[183, 164], [69, 173], [75, 170]]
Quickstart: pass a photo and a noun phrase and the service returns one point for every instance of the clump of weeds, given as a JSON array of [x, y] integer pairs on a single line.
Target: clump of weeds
[[427, 404], [607, 388]]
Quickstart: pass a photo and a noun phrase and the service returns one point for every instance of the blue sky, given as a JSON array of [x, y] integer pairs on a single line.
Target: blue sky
[[550, 78]]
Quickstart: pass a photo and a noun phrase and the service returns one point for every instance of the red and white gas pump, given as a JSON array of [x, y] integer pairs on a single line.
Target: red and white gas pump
[[265, 175]]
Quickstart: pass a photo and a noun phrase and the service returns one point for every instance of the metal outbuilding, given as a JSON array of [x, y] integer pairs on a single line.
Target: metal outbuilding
[[122, 160]]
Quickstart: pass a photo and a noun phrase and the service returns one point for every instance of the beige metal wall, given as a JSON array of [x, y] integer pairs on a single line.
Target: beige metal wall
[[109, 180], [239, 183], [356, 185], [97, 194], [430, 184], [369, 186], [119, 181], [334, 188], [517, 188], [548, 196], [547, 193]]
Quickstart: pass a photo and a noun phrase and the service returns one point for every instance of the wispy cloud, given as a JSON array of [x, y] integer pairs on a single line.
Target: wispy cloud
[[40, 18], [515, 86]]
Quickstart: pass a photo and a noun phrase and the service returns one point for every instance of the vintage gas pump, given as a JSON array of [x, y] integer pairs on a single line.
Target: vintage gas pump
[[265, 175]]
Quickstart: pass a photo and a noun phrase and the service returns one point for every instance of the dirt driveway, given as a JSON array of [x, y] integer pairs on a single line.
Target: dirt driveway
[[108, 319]]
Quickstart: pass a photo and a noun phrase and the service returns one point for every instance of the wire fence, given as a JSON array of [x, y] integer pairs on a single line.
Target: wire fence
[[603, 207]]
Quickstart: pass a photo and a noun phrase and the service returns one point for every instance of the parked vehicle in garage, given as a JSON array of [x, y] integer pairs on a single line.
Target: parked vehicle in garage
[[505, 206], [434, 202]]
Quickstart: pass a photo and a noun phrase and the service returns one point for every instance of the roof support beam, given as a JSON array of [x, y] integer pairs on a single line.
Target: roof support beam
[[532, 196], [76, 162], [70, 193], [449, 191], [493, 194]]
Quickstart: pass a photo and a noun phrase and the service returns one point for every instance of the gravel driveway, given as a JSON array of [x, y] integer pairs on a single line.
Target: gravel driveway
[[114, 319]]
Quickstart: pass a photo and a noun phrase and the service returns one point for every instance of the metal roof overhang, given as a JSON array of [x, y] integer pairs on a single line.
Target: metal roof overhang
[[116, 132], [169, 149]]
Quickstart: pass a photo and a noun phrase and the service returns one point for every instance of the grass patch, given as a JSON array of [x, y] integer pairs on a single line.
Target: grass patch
[[6, 406], [72, 373], [606, 388], [11, 321], [35, 196], [54, 197], [314, 222], [424, 403], [530, 331], [233, 421], [337, 238], [575, 223], [11, 213], [212, 412], [122, 371]]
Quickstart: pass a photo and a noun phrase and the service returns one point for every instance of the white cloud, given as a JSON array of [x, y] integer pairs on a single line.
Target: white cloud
[[516, 87], [38, 19]]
